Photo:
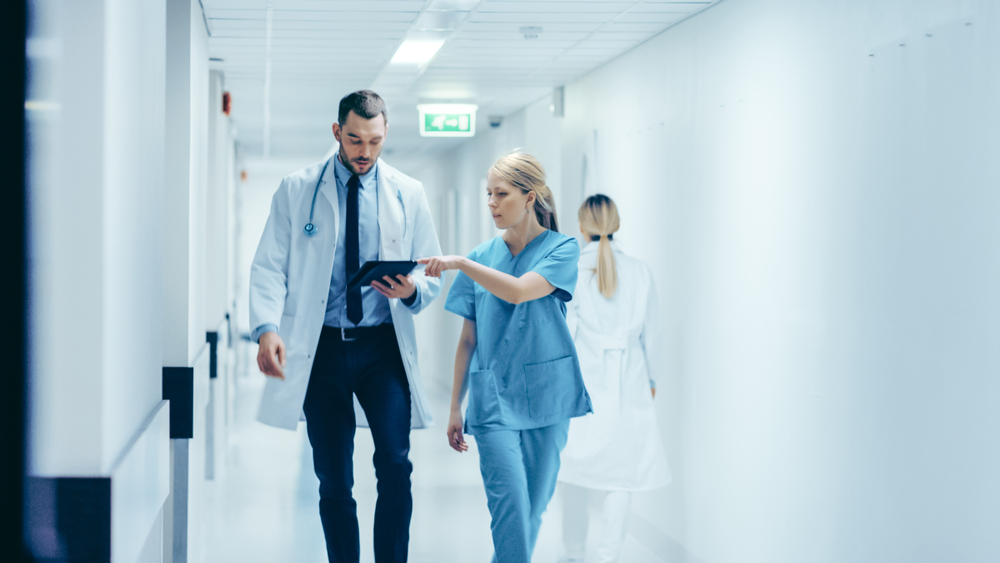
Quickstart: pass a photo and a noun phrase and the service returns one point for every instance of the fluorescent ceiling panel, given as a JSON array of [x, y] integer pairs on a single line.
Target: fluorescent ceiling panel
[[416, 51]]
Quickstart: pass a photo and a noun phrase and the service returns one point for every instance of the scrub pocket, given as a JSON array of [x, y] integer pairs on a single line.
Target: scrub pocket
[[484, 406], [553, 388]]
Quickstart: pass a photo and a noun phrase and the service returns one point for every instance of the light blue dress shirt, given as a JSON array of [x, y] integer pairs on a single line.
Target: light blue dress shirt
[[374, 304]]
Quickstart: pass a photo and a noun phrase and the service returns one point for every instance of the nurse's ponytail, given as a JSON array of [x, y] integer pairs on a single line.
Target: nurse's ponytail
[[523, 171], [599, 220]]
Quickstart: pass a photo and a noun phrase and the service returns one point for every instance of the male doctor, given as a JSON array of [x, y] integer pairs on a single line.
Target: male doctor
[[342, 357]]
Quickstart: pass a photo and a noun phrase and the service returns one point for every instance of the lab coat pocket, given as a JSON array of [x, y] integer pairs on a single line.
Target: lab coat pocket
[[553, 388], [484, 402]]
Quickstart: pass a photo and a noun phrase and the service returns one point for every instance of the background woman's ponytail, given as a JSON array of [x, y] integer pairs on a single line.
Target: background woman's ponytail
[[523, 171], [599, 220]]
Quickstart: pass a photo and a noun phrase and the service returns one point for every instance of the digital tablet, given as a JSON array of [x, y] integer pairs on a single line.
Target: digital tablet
[[375, 269]]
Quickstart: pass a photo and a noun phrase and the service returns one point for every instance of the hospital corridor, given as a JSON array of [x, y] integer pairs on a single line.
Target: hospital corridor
[[501, 281]]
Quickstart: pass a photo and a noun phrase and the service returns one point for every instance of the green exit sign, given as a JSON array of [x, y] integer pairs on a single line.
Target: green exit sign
[[447, 120]]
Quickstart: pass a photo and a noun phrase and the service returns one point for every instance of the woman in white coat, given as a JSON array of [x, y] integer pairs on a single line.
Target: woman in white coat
[[618, 449]]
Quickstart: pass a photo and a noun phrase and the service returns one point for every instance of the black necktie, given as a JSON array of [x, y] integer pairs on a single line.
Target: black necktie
[[354, 310]]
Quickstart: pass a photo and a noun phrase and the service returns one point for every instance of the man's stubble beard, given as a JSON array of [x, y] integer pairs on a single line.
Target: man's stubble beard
[[350, 165]]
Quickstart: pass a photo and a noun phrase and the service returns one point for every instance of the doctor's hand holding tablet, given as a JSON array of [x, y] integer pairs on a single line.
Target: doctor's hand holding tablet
[[399, 288], [391, 278]]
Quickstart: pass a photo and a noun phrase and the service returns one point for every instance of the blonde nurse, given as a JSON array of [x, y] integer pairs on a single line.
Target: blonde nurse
[[617, 450], [515, 355]]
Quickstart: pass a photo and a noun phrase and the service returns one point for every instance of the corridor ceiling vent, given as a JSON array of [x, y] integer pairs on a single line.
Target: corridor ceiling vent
[[531, 31], [447, 120]]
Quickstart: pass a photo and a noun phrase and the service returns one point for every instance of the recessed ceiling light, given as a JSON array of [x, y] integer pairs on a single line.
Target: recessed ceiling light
[[417, 51]]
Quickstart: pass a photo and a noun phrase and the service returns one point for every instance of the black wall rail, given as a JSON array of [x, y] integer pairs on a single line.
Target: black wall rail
[[178, 388]]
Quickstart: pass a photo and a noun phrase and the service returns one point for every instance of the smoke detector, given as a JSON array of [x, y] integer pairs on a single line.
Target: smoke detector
[[531, 31]]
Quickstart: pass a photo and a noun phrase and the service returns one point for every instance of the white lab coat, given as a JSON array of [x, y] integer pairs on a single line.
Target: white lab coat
[[290, 279], [618, 447]]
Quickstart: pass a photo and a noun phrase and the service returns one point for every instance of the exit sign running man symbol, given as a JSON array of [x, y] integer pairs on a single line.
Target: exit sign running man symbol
[[447, 120]]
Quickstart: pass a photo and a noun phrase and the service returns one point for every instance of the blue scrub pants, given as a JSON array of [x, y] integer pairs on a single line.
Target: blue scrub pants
[[519, 470]]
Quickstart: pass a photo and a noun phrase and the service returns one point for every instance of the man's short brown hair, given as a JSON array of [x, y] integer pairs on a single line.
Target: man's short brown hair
[[365, 103]]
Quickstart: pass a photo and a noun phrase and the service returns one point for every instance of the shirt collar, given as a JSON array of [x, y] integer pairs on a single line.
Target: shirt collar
[[343, 174]]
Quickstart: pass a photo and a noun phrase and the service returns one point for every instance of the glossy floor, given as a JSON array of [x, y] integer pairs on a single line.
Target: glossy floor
[[264, 505]]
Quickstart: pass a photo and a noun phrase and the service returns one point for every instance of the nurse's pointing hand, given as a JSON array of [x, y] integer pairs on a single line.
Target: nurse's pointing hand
[[437, 264], [271, 355]]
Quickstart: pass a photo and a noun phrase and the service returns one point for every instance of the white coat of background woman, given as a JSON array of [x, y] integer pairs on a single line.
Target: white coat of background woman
[[617, 450]]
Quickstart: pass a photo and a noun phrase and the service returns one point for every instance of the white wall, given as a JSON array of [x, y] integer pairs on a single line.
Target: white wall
[[67, 260], [186, 244], [812, 186], [218, 211], [133, 157], [97, 162], [185, 197], [96, 236], [818, 204]]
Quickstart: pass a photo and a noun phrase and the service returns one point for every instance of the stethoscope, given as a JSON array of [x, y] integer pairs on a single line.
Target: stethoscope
[[310, 228]]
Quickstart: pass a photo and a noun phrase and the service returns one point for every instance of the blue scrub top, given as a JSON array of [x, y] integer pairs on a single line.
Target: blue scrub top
[[524, 372]]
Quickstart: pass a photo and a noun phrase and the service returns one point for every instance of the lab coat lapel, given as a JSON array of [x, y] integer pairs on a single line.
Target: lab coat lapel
[[328, 187], [390, 216]]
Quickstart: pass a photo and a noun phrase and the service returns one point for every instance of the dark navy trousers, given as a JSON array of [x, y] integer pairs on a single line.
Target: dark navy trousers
[[372, 369]]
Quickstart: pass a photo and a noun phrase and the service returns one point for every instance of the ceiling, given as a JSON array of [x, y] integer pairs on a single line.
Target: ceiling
[[287, 63]]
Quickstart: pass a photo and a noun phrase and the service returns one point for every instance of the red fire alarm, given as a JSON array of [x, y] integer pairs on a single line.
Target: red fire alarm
[[227, 103]]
